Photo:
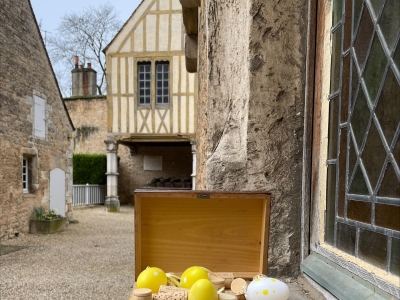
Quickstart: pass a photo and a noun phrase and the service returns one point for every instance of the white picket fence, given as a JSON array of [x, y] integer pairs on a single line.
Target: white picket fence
[[88, 194]]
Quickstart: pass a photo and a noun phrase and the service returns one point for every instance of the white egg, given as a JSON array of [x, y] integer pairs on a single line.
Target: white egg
[[266, 288]]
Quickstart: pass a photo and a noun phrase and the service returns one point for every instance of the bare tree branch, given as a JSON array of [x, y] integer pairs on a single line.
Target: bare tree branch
[[84, 34]]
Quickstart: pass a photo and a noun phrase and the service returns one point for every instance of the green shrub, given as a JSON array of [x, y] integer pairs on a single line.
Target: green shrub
[[90, 168]]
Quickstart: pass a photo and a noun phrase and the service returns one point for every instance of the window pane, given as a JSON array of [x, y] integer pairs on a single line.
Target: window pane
[[159, 99], [336, 58], [396, 57], [373, 248], [395, 257], [376, 6], [165, 92], [358, 185], [390, 186], [359, 211], [342, 172], [360, 117], [141, 76], [345, 89], [147, 76], [374, 69], [159, 92], [347, 24], [346, 238], [337, 11], [159, 84], [357, 12], [387, 216], [330, 205], [373, 156], [363, 37], [390, 21], [333, 127], [352, 158], [389, 99]]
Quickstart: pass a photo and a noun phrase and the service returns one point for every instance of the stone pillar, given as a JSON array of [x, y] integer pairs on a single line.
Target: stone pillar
[[193, 143], [112, 201]]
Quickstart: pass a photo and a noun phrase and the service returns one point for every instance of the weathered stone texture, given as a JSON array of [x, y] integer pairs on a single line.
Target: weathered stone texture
[[89, 116], [251, 98], [25, 71]]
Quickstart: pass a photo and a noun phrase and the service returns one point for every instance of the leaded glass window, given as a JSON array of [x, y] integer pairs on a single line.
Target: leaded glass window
[[144, 82], [363, 179], [162, 82]]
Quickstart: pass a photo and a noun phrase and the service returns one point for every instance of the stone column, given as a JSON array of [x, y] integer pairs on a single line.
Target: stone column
[[112, 201], [193, 143]]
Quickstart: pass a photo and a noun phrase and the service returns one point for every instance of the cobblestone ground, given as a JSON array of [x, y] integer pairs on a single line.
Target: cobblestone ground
[[92, 259]]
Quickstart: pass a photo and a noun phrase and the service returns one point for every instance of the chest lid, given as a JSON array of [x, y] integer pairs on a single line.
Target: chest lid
[[221, 231]]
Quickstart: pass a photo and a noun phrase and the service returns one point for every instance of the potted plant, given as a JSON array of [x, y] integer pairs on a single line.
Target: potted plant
[[45, 221]]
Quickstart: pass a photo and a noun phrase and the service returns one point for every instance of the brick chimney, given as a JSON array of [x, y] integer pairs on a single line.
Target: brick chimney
[[84, 80]]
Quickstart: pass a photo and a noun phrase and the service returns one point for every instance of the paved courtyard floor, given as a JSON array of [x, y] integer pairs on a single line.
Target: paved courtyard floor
[[92, 259]]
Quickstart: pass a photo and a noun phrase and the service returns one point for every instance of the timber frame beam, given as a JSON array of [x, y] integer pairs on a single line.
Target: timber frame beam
[[190, 11]]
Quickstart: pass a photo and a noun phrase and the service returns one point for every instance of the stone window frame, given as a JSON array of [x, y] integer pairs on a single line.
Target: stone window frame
[[30, 156]]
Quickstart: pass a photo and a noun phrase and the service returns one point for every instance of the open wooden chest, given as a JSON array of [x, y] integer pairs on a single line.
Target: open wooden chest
[[222, 231]]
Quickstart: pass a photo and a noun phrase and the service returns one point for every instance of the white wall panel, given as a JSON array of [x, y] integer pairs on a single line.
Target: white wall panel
[[124, 112], [176, 71], [183, 114], [151, 26], [183, 74], [175, 114], [115, 115], [191, 114], [131, 106], [126, 47], [176, 5], [163, 39], [176, 32], [138, 38], [122, 74], [164, 4], [114, 75], [131, 87]]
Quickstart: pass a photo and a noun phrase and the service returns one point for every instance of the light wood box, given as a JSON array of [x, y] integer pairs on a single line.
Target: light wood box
[[221, 231]]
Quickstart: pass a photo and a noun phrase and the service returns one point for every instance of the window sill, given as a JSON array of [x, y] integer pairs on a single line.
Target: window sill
[[338, 281], [29, 195]]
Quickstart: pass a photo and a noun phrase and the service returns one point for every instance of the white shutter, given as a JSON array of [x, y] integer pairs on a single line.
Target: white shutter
[[40, 117]]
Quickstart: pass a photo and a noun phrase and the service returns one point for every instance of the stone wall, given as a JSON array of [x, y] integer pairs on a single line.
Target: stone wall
[[251, 102], [25, 72], [177, 163], [89, 115]]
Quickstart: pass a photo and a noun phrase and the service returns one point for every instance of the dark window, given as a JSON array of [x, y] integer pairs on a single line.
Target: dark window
[[162, 82], [144, 82]]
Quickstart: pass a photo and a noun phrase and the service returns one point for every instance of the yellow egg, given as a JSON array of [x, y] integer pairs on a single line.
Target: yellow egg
[[203, 289], [152, 278], [191, 275]]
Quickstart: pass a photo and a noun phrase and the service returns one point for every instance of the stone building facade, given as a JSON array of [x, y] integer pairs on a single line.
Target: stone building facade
[[301, 99], [35, 128]]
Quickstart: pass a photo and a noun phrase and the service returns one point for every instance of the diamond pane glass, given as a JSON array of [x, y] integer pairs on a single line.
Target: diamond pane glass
[[373, 156], [387, 109], [396, 57], [390, 186], [352, 158], [390, 22], [358, 185], [396, 152], [346, 238], [359, 211], [373, 248], [387, 216], [363, 37], [376, 6], [354, 83], [395, 257], [360, 117], [374, 69]]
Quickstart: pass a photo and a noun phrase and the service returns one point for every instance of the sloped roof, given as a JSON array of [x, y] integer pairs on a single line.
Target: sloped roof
[[51, 66], [119, 31]]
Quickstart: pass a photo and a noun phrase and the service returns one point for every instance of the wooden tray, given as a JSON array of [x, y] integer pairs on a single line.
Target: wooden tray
[[222, 231]]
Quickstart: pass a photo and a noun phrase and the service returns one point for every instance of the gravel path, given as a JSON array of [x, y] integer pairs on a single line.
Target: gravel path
[[93, 259]]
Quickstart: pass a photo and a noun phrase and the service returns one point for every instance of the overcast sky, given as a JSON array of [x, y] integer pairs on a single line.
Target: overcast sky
[[49, 12]]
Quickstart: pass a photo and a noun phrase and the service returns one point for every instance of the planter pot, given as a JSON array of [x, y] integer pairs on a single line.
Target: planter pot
[[50, 226]]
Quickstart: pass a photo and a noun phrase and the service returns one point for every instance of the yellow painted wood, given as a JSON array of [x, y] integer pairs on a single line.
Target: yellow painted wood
[[226, 233]]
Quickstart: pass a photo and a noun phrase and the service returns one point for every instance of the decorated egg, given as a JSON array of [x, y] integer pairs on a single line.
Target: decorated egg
[[266, 288], [203, 289], [152, 278], [191, 275]]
